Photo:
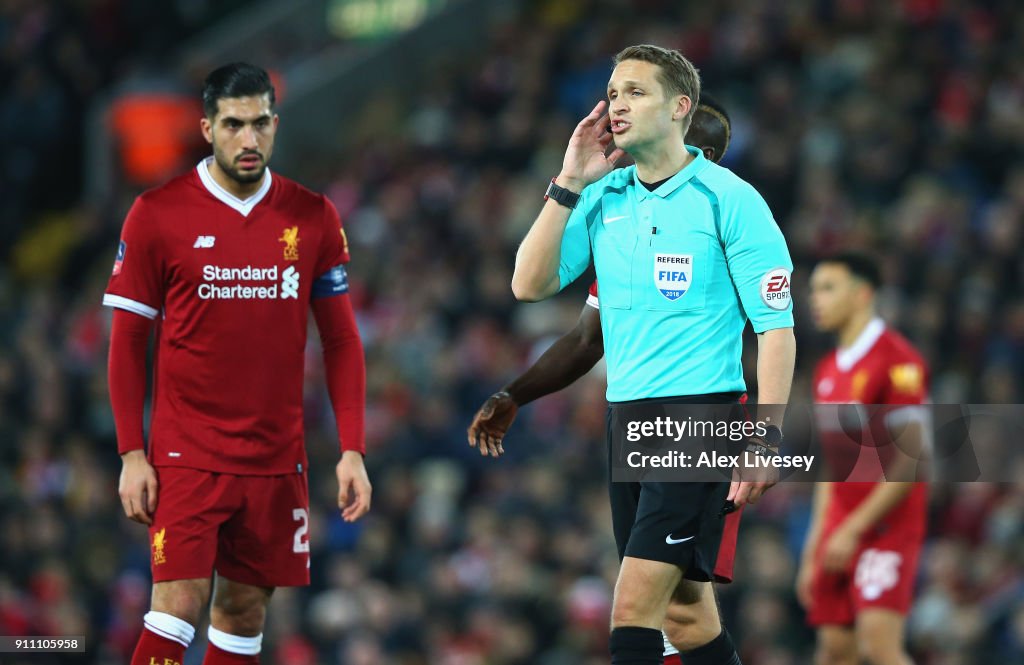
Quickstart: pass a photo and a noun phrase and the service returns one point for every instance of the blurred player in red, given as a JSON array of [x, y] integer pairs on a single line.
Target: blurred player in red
[[573, 355], [859, 562], [228, 259]]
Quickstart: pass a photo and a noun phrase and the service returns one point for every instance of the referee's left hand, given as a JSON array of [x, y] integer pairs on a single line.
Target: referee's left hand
[[749, 483]]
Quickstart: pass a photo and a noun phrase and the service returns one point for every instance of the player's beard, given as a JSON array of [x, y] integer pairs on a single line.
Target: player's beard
[[232, 170]]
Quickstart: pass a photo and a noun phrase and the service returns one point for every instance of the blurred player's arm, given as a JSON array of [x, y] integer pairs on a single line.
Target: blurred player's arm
[[569, 358], [844, 541], [906, 419], [345, 368], [126, 372], [907, 429], [909, 433], [819, 504], [908, 437], [875, 506]]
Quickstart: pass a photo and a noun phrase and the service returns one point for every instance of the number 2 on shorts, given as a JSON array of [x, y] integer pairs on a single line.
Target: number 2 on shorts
[[301, 544]]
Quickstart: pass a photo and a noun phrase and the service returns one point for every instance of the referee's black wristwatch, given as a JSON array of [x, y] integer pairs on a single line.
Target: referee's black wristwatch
[[767, 444], [561, 195]]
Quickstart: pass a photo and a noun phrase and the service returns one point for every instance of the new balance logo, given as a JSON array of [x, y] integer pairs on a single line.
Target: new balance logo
[[204, 242], [290, 283]]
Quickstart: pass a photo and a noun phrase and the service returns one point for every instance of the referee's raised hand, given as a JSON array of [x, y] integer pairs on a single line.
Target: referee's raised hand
[[587, 158]]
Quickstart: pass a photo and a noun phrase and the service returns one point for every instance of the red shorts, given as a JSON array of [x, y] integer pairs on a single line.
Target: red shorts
[[881, 575], [727, 548], [250, 529]]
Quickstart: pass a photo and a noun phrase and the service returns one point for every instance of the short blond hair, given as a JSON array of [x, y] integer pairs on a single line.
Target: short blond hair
[[676, 74]]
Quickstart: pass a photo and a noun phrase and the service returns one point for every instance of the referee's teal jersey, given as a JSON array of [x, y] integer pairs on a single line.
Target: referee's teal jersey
[[680, 270]]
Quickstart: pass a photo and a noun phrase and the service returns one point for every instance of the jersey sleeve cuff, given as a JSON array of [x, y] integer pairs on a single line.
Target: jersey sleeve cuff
[[784, 320], [902, 415], [592, 301], [120, 302]]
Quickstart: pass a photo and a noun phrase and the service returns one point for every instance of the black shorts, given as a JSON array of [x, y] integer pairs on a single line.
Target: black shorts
[[676, 522]]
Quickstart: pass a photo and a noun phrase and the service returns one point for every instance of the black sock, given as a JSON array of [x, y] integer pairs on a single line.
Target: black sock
[[631, 645], [719, 651]]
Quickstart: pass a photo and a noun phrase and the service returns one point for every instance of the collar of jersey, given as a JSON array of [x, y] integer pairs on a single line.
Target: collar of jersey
[[848, 357], [244, 206], [675, 182]]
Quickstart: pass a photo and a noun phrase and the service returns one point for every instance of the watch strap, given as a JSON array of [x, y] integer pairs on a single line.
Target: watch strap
[[561, 195]]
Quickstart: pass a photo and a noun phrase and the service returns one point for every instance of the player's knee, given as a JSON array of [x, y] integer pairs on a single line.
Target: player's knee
[[244, 623], [631, 609], [833, 652], [240, 613], [183, 608], [180, 599], [626, 612], [691, 619], [679, 625], [685, 629], [825, 656], [879, 652]]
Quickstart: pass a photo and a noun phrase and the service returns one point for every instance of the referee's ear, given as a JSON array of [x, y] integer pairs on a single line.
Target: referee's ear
[[683, 106]]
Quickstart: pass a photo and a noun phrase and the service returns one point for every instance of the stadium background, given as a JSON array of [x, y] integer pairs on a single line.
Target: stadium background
[[891, 126]]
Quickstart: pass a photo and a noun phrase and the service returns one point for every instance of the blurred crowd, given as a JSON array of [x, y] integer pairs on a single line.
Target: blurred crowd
[[891, 126]]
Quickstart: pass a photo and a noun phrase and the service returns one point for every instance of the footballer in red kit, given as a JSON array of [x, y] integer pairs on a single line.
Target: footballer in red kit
[[859, 563], [231, 285], [225, 262]]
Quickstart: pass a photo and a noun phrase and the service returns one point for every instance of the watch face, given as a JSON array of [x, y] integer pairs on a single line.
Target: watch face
[[773, 436]]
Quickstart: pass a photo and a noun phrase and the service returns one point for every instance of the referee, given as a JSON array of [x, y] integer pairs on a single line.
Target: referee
[[685, 252]]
